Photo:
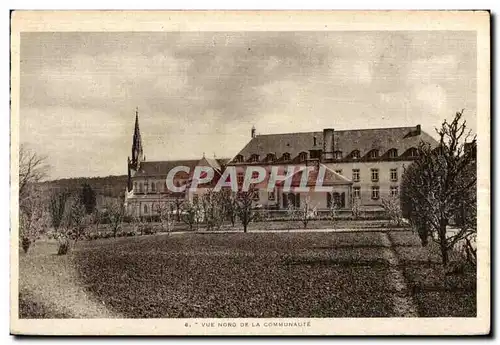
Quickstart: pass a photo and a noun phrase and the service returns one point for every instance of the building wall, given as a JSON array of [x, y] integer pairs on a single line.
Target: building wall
[[365, 182]]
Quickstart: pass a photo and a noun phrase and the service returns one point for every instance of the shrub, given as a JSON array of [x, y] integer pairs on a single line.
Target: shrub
[[63, 248]]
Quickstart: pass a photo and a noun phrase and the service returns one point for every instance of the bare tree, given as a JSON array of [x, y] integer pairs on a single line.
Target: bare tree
[[244, 206], [440, 184], [333, 211], [356, 208], [115, 212], [32, 168], [34, 218], [304, 212], [166, 215], [392, 207]]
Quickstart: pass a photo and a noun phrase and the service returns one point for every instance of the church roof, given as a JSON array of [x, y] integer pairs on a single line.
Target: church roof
[[161, 168], [346, 141]]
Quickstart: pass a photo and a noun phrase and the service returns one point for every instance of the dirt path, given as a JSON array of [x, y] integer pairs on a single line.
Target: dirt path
[[50, 281]]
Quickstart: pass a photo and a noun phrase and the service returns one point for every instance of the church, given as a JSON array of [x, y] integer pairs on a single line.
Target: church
[[358, 165]]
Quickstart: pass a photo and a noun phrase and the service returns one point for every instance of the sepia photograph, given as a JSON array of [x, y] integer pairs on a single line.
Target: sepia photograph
[[250, 173]]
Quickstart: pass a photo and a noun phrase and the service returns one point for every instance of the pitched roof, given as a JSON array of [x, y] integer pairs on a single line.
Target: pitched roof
[[347, 141], [161, 168]]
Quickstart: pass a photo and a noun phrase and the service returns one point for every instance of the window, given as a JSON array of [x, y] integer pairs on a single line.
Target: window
[[256, 196], [140, 188], [135, 187], [356, 192], [153, 187], [240, 179], [355, 154], [413, 152], [337, 155], [286, 156], [373, 154], [339, 171], [393, 153], [374, 175], [375, 192], [355, 175], [303, 156], [159, 187], [394, 175], [271, 157], [146, 187], [271, 196], [238, 159], [145, 209], [314, 141], [394, 191], [254, 158], [315, 154]]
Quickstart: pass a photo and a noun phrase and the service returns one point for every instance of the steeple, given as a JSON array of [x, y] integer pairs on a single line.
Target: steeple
[[137, 150]]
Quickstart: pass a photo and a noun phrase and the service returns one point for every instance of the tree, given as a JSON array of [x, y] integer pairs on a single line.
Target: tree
[[166, 215], [356, 208], [57, 210], [32, 168], [392, 207], [76, 221], [230, 205], [334, 210], [88, 198], [34, 218], [192, 213], [115, 213], [303, 213], [440, 184], [178, 202], [244, 206], [213, 206]]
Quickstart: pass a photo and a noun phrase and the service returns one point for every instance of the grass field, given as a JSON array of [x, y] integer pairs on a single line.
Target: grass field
[[306, 274]]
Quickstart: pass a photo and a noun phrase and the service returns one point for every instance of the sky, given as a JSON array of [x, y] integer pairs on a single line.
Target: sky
[[201, 92]]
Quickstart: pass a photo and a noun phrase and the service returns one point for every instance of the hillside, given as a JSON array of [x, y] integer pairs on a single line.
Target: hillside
[[109, 186]]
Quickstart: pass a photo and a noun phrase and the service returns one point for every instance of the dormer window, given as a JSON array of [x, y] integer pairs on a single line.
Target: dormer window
[[271, 157], [286, 156], [413, 152], [393, 153], [254, 158], [302, 156], [337, 155], [373, 154], [355, 154], [238, 159]]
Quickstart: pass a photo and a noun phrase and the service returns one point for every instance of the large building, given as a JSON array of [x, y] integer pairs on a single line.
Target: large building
[[364, 164]]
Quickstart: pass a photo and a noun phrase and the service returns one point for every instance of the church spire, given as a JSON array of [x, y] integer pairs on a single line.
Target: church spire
[[137, 150]]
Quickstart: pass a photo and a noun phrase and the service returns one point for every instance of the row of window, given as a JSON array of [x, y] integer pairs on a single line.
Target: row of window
[[374, 174], [152, 187], [356, 154], [356, 192]]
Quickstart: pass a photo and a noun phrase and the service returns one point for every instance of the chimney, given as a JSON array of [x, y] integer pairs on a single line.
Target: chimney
[[253, 131], [418, 130], [328, 143]]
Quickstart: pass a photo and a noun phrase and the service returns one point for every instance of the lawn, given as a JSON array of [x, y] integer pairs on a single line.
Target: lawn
[[313, 274]]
